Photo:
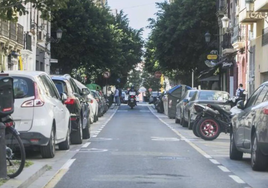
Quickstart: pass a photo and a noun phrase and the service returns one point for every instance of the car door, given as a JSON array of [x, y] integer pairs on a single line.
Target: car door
[[58, 108], [242, 120], [251, 116]]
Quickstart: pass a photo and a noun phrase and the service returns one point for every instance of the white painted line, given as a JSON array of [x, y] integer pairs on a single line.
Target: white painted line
[[68, 164], [214, 161], [236, 179], [224, 169], [86, 145], [93, 136]]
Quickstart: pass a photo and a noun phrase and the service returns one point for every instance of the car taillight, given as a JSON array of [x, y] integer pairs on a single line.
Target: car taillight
[[70, 101], [132, 96], [91, 101], [265, 111], [9, 124], [37, 101]]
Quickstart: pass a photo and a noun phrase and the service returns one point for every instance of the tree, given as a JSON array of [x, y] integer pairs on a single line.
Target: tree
[[10, 9], [177, 42], [96, 41]]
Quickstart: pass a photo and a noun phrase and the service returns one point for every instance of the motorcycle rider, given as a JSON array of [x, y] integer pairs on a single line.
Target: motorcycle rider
[[132, 89]]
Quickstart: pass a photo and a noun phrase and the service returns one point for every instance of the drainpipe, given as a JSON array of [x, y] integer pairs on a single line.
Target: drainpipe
[[3, 164]]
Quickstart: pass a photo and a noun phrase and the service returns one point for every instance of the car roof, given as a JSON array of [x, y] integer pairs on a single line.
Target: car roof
[[29, 74], [59, 77]]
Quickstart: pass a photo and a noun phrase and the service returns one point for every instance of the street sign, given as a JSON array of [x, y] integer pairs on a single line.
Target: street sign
[[212, 56], [106, 74]]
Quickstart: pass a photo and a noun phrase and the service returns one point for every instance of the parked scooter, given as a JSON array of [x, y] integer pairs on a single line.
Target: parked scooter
[[212, 120], [132, 99]]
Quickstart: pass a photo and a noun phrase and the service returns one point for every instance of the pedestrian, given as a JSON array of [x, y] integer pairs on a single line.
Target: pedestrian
[[240, 93], [116, 97]]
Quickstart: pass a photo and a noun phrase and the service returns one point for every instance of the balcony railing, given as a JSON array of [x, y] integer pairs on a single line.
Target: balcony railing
[[20, 39], [4, 28], [265, 36], [13, 31]]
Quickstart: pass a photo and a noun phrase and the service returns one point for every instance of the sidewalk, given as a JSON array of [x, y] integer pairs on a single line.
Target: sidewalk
[[42, 170]]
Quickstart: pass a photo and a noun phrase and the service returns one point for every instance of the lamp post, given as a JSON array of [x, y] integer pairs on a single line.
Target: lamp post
[[50, 39], [249, 5]]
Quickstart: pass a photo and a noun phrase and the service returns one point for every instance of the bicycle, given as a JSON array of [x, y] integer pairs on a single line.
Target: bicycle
[[15, 152]]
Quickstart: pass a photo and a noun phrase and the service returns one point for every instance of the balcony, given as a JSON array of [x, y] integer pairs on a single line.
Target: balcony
[[261, 5], [238, 37], [248, 17], [11, 34]]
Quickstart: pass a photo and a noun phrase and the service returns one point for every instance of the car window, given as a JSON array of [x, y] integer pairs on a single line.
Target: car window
[[53, 87], [23, 87], [261, 96], [47, 85], [61, 86], [191, 93], [194, 96], [266, 96], [213, 95], [251, 100], [74, 86]]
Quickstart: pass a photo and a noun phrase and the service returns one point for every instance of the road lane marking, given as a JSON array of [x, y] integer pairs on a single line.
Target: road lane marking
[[214, 161], [53, 182], [224, 169], [236, 179], [202, 152], [86, 145]]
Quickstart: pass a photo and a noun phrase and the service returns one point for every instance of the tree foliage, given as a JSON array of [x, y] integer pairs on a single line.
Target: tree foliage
[[97, 41], [11, 9], [176, 44]]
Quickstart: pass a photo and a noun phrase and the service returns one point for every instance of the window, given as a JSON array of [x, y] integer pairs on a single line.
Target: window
[[23, 87], [253, 97]]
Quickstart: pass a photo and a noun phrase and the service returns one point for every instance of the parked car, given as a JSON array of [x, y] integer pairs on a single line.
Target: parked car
[[249, 129], [77, 105], [182, 103], [159, 105], [93, 104], [101, 104], [203, 97], [39, 113]]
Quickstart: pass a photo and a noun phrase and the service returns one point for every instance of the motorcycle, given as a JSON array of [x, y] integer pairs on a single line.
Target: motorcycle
[[132, 99], [212, 120]]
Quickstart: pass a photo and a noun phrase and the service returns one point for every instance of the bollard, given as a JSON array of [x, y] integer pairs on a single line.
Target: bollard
[[3, 163]]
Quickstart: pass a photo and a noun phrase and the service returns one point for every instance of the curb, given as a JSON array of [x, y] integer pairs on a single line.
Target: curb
[[27, 177]]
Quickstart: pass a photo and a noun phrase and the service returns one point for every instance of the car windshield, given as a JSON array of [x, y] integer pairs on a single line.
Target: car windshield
[[61, 86], [213, 95]]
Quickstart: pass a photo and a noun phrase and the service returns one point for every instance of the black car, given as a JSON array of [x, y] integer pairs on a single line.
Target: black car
[[249, 130], [77, 105]]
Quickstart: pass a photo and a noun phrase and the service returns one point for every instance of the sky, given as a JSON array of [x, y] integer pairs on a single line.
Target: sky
[[137, 11]]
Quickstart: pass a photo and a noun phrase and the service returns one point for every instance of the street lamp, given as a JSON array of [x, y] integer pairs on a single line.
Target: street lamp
[[50, 39], [225, 22], [207, 37]]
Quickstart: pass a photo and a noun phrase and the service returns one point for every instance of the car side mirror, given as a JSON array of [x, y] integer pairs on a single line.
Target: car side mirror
[[85, 91], [63, 97], [240, 104]]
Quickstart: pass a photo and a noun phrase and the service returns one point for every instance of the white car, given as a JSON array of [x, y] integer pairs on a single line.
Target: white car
[[39, 113], [93, 104]]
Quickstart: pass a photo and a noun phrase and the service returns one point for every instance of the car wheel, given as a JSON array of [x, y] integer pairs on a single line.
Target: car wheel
[[189, 124], [258, 160], [66, 144], [208, 128], [233, 151], [48, 151], [77, 136], [195, 127], [86, 131]]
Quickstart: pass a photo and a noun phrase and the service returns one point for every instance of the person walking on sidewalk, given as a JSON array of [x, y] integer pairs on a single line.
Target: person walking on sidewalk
[[116, 97]]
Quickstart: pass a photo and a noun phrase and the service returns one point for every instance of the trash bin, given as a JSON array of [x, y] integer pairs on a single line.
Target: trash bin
[[171, 98]]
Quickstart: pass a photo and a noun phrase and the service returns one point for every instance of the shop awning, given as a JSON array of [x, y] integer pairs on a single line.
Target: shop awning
[[211, 78]]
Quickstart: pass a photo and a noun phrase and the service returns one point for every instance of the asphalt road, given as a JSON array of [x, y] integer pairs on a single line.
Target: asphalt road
[[138, 148]]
